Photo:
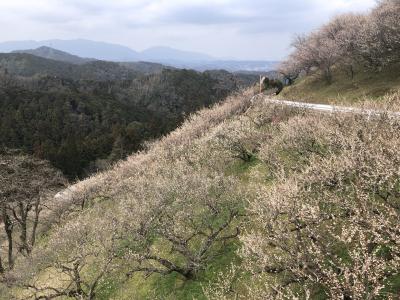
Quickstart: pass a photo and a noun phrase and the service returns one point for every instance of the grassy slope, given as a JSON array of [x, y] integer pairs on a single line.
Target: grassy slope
[[172, 286], [343, 89]]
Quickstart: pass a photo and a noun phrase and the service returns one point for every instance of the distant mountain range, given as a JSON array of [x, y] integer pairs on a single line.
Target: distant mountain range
[[36, 63], [82, 48], [81, 51], [228, 65], [54, 54]]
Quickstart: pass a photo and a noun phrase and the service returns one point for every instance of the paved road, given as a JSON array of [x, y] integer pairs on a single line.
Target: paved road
[[330, 108]]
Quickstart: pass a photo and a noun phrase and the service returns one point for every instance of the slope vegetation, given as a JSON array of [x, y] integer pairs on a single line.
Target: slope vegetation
[[344, 89], [247, 200]]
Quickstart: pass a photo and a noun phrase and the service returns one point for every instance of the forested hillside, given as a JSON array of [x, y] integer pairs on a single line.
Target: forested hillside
[[81, 125], [28, 65]]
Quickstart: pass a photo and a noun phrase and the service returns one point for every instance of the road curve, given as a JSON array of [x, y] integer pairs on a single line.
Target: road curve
[[330, 108]]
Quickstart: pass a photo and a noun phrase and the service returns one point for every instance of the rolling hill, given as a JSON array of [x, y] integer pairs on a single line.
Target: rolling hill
[[28, 65], [364, 85], [50, 53], [82, 117]]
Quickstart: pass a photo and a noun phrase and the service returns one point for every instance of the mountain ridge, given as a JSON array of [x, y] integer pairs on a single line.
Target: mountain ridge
[[98, 50], [27, 65], [160, 54], [79, 47], [54, 54]]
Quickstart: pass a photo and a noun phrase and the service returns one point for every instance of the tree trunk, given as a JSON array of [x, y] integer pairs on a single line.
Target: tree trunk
[[1, 266], [35, 222], [8, 227], [328, 75], [77, 279], [23, 227]]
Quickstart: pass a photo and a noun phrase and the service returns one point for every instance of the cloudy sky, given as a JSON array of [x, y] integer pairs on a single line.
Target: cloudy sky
[[243, 29]]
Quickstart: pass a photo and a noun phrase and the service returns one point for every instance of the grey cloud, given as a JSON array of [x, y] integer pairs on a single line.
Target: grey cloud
[[186, 24], [235, 11], [203, 15]]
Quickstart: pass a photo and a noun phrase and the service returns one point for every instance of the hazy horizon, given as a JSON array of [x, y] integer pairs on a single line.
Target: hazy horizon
[[235, 29]]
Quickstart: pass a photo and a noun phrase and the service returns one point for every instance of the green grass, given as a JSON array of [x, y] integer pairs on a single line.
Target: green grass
[[392, 285], [172, 286], [343, 89], [242, 168]]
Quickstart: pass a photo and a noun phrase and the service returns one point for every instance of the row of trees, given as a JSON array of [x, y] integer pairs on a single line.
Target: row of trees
[[349, 41]]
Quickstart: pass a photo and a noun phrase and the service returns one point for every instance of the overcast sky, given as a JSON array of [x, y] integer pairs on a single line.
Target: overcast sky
[[243, 29]]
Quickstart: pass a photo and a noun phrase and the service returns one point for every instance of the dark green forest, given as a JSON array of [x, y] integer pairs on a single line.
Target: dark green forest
[[83, 125]]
